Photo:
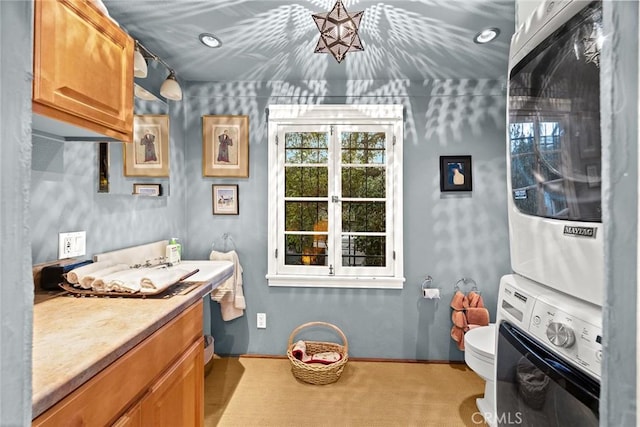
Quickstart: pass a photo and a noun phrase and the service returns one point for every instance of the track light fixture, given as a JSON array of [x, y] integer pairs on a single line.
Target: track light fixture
[[139, 63], [170, 88]]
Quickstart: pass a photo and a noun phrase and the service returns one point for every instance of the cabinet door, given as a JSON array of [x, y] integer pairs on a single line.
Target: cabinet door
[[83, 68], [177, 398], [133, 418]]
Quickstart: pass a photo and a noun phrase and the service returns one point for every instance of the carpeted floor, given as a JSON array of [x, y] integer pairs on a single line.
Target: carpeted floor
[[250, 391]]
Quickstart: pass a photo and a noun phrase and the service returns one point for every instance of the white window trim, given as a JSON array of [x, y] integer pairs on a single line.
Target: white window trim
[[336, 115]]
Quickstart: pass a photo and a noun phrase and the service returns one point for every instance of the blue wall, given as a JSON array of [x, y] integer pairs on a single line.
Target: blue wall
[[64, 196], [619, 393], [619, 88], [446, 236]]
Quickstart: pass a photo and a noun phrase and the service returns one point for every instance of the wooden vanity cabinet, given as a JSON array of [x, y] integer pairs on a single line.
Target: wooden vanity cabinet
[[82, 68], [177, 399], [160, 382]]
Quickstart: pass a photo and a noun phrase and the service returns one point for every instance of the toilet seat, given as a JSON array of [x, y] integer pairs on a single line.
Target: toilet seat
[[482, 341], [479, 355]]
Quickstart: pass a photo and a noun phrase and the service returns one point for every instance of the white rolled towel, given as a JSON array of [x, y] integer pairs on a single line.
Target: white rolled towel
[[75, 276], [158, 279], [97, 277], [124, 281]]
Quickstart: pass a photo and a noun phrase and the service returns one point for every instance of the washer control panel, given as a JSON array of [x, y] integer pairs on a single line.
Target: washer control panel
[[565, 331]]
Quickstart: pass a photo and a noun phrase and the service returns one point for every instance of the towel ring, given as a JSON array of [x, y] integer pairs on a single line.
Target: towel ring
[[426, 283], [224, 243], [465, 281]]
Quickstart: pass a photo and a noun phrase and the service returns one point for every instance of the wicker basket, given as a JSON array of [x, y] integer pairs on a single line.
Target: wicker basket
[[316, 373]]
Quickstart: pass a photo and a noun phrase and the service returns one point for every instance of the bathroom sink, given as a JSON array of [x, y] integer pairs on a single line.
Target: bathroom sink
[[208, 270]]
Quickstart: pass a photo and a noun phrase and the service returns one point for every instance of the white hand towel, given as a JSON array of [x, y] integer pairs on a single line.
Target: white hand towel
[[230, 294]]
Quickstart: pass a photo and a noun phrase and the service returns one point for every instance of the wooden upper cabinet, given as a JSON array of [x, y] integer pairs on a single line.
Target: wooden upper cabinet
[[82, 68]]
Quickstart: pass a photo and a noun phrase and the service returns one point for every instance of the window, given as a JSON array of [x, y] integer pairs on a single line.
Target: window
[[536, 166], [335, 196]]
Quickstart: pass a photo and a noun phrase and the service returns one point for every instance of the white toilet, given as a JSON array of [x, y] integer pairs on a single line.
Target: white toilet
[[479, 355]]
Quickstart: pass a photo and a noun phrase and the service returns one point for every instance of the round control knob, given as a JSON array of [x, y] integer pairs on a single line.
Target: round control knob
[[560, 335]]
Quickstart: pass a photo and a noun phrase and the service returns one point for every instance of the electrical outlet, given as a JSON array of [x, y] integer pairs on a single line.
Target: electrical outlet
[[262, 320], [72, 244]]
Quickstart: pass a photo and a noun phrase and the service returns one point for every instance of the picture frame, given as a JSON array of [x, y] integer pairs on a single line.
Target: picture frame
[[225, 199], [593, 176], [455, 173], [225, 146], [147, 190], [588, 136], [148, 153], [103, 167]]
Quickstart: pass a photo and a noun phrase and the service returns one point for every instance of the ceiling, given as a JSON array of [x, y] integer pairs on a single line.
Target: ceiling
[[268, 40]]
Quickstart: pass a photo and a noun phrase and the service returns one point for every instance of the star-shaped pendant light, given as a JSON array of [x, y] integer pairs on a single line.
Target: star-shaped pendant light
[[338, 31]]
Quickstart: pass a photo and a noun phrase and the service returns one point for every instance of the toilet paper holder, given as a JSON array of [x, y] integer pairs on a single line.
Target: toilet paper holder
[[428, 291]]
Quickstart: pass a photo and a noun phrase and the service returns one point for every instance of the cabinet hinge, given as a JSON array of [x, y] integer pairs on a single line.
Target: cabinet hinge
[[394, 255], [331, 130], [276, 253], [276, 139], [394, 140]]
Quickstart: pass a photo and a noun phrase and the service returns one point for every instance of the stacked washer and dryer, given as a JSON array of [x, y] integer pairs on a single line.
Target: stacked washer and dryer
[[548, 330]]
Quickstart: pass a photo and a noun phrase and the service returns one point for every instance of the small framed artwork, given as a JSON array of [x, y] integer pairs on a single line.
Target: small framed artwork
[[455, 173], [148, 154], [225, 199], [225, 146], [103, 167], [593, 176], [147, 189], [588, 136]]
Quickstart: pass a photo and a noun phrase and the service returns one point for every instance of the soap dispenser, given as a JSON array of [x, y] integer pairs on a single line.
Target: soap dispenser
[[174, 251]]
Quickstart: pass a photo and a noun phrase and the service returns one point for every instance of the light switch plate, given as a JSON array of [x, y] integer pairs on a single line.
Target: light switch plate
[[72, 244]]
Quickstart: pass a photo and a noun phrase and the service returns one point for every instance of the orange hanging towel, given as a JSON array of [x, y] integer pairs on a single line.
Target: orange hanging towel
[[459, 303]]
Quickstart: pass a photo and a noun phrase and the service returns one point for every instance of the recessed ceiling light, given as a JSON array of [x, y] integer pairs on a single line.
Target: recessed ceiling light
[[486, 35], [210, 40]]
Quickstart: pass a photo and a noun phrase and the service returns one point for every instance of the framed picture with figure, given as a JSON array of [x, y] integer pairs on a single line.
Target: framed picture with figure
[[225, 146], [148, 154], [455, 173]]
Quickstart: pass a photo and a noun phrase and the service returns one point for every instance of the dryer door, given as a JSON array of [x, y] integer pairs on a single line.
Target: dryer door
[[535, 387]]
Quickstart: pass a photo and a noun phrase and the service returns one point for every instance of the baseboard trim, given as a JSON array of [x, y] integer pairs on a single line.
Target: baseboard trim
[[355, 359]]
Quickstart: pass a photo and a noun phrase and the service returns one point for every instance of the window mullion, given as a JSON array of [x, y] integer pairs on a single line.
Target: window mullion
[[280, 207], [335, 207]]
